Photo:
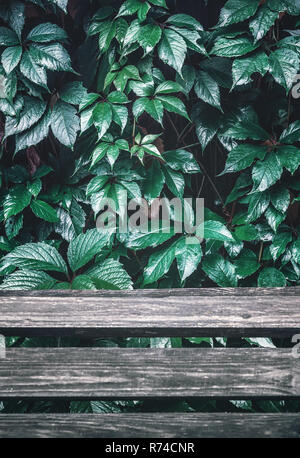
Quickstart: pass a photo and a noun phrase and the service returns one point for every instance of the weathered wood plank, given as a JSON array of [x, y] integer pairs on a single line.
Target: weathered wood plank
[[198, 312], [143, 425], [114, 373]]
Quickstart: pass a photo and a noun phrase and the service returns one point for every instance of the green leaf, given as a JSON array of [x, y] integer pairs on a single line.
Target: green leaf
[[289, 157], [140, 240], [62, 4], [246, 233], [262, 22], [149, 36], [73, 93], [34, 135], [37, 256], [184, 20], [142, 88], [274, 218], [95, 185], [259, 202], [246, 264], [242, 156], [243, 69], [279, 244], [173, 104], [99, 152], [44, 211], [16, 200], [172, 50], [102, 117], [207, 121], [191, 38], [175, 181], [168, 87], [181, 160], [110, 274], [280, 198], [228, 47], [65, 123], [219, 270], [13, 226], [83, 248], [159, 264], [291, 134], [43, 33], [246, 130], [284, 64], [35, 187], [266, 173], [117, 97], [112, 154], [207, 89], [51, 56], [120, 115], [28, 280], [215, 230], [83, 282], [11, 57], [271, 277], [237, 11], [30, 68], [8, 37], [154, 182], [153, 107], [32, 111], [188, 256], [106, 35]]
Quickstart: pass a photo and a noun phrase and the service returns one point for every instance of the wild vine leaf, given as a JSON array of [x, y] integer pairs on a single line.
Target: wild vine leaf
[[110, 274], [271, 277], [159, 264], [46, 32], [32, 111], [65, 123], [219, 270], [214, 230], [244, 68], [267, 172], [16, 200], [237, 11], [207, 89], [37, 256], [85, 246], [188, 256], [233, 47], [284, 64], [10, 58], [28, 280], [102, 117], [262, 22], [242, 156], [32, 70], [172, 50], [44, 211]]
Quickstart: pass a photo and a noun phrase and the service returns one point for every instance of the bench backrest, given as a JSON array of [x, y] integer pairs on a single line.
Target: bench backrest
[[143, 373]]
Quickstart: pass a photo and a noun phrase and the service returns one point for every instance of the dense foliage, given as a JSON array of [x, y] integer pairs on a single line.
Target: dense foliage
[[101, 97]]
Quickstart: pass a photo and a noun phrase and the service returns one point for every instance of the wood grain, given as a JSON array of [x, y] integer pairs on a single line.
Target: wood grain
[[114, 373], [252, 312], [143, 425]]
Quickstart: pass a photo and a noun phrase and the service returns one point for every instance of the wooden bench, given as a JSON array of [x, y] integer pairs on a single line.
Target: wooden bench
[[135, 373]]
